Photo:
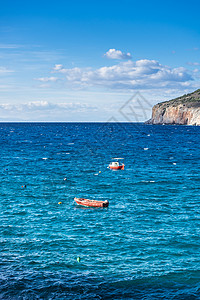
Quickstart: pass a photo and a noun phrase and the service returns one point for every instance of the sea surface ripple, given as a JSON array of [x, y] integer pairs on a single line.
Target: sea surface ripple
[[145, 245]]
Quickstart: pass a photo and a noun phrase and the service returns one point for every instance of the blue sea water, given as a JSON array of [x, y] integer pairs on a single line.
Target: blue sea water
[[145, 245]]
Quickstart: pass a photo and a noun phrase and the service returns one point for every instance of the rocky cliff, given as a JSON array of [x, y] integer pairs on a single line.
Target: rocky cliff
[[184, 110]]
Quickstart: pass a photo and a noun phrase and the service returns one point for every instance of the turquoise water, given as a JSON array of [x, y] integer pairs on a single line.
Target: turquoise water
[[145, 245]]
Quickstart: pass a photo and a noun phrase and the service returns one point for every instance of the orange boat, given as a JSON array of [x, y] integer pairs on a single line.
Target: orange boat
[[115, 165], [91, 203]]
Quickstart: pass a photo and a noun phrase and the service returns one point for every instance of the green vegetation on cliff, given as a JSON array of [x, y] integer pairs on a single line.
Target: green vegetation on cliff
[[189, 100]]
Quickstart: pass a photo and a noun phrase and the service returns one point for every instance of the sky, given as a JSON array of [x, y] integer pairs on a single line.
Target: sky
[[86, 61]]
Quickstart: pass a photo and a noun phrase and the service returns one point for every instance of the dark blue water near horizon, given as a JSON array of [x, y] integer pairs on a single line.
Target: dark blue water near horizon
[[145, 245]]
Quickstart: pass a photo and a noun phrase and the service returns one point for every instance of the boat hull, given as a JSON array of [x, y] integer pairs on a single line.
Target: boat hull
[[121, 167], [91, 203]]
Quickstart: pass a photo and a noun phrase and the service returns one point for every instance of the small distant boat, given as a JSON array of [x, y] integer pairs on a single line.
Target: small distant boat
[[91, 203], [115, 165]]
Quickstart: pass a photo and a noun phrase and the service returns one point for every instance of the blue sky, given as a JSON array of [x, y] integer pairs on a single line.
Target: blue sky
[[83, 60]]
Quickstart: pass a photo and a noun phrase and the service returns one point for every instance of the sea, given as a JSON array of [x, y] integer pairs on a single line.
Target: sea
[[145, 245]]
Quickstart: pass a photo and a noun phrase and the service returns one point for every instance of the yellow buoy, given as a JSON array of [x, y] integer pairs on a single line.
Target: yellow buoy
[[59, 202]]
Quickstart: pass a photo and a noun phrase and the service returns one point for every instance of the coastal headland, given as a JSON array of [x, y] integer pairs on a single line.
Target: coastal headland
[[184, 110]]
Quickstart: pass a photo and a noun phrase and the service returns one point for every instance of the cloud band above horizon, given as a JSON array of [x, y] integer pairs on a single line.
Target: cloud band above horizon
[[128, 75]]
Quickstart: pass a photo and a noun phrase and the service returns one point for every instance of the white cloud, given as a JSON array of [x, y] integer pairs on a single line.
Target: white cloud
[[58, 67], [129, 75], [4, 70], [61, 69], [117, 54], [193, 63], [9, 46], [47, 79], [47, 106]]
